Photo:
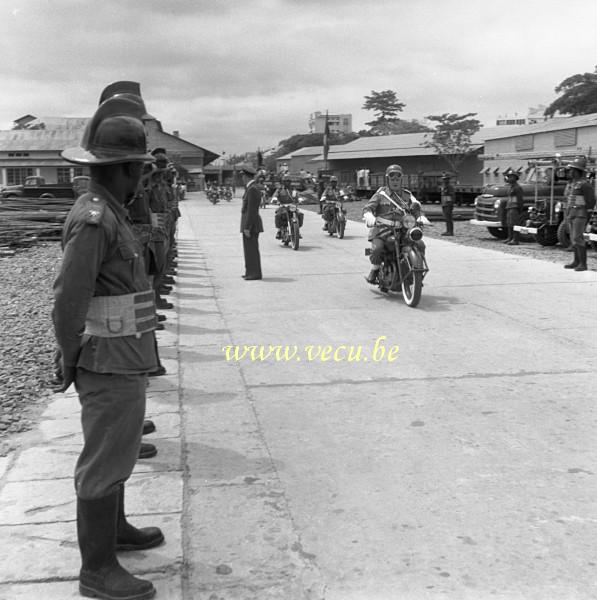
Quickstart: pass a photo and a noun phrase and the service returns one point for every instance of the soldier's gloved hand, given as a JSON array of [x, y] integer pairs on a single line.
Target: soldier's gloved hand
[[68, 376], [369, 219], [247, 232]]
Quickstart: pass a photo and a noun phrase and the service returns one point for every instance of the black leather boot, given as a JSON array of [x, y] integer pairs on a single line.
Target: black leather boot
[[148, 426], [147, 450], [101, 574], [574, 262], [130, 538], [372, 277], [582, 259]]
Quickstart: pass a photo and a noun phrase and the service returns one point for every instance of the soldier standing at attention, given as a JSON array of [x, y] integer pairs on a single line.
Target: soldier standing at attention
[[447, 200], [514, 207], [250, 223], [580, 199], [104, 320]]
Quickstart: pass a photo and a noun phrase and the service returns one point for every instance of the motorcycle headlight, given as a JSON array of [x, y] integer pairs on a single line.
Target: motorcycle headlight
[[408, 221], [415, 234], [558, 207]]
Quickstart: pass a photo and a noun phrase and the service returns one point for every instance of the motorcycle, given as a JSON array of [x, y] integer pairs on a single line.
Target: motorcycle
[[212, 196], [403, 265], [338, 223], [228, 194], [291, 229]]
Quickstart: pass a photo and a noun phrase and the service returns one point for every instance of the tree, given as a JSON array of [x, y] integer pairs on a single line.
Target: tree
[[578, 96], [386, 107], [451, 138]]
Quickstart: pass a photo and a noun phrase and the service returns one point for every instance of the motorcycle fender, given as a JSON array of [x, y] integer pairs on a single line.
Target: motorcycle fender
[[415, 258]]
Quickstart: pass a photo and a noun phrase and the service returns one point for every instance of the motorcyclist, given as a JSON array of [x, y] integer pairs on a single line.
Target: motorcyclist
[[387, 200], [330, 195], [284, 195]]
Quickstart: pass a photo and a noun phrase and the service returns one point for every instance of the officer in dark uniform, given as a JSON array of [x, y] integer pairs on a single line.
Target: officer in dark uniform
[[104, 318], [580, 200], [250, 223], [447, 200], [514, 206]]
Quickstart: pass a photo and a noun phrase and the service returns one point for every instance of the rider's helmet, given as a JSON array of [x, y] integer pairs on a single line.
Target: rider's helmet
[[333, 181], [260, 175], [510, 172], [393, 169]]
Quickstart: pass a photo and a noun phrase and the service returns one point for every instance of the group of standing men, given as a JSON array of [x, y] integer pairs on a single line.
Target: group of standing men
[[118, 246]]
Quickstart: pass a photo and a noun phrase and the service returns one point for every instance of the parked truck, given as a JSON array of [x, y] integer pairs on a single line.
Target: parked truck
[[36, 187], [537, 189]]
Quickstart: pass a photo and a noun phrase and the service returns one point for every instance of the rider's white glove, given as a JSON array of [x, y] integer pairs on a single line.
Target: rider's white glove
[[369, 219]]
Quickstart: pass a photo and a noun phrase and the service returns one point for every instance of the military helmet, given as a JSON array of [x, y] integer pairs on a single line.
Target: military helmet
[[579, 163], [115, 134], [125, 89], [510, 172], [393, 169], [161, 160]]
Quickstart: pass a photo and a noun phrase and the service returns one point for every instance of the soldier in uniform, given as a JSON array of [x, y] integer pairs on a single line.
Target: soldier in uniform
[[383, 203], [447, 200], [285, 195], [514, 207], [328, 197], [580, 200], [104, 318], [250, 223]]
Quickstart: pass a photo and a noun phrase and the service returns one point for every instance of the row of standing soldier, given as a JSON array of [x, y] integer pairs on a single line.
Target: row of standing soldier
[[118, 246]]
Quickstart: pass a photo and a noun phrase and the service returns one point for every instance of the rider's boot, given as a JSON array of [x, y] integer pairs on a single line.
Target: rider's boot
[[279, 234], [373, 274]]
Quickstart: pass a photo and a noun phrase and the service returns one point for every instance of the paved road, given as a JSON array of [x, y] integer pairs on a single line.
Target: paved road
[[462, 468]]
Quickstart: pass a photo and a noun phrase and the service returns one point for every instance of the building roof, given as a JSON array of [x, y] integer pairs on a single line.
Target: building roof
[[29, 140], [404, 144], [305, 151], [544, 126]]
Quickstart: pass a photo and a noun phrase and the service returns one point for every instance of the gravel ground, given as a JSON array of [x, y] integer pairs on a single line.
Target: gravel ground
[[474, 236], [27, 340]]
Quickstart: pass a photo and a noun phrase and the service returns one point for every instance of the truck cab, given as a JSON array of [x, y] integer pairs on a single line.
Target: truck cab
[[536, 188]]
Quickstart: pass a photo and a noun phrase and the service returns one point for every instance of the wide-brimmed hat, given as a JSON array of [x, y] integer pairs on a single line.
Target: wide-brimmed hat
[[125, 89], [115, 134]]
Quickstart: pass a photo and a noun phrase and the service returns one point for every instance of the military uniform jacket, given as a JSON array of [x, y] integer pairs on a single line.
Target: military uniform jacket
[[284, 196], [330, 195], [249, 212], [580, 198], [515, 198], [102, 257], [381, 205], [447, 194]]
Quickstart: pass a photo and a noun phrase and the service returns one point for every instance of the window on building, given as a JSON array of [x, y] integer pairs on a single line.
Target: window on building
[[524, 142], [16, 176], [77, 171], [63, 175], [567, 137]]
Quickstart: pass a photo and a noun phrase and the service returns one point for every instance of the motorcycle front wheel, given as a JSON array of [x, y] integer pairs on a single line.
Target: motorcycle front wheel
[[412, 284], [340, 229], [294, 235]]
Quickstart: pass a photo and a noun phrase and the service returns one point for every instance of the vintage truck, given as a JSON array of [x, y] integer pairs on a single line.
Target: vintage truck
[[537, 190], [36, 187]]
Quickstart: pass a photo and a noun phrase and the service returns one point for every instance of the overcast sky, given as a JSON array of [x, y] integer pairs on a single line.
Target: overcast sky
[[236, 75]]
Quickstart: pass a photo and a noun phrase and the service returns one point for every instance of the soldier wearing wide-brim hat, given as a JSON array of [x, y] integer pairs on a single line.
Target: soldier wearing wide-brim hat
[[514, 206], [104, 319], [580, 200]]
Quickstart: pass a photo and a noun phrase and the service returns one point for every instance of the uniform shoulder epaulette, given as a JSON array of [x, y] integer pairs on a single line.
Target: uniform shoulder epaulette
[[94, 209]]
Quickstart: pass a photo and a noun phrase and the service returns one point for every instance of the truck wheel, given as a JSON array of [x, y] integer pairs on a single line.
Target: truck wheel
[[564, 235], [498, 232], [547, 235]]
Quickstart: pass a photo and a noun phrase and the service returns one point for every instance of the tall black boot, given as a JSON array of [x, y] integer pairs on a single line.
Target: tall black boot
[[582, 259], [101, 574], [515, 238], [131, 538], [574, 262]]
